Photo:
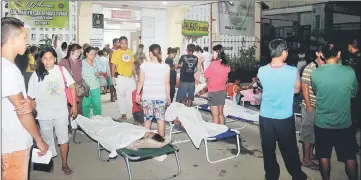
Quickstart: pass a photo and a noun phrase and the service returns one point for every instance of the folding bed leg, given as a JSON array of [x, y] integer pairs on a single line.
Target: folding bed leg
[[220, 160], [128, 167], [178, 164], [100, 148]]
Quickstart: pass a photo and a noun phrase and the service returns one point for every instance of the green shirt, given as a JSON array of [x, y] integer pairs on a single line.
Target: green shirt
[[88, 74], [334, 86]]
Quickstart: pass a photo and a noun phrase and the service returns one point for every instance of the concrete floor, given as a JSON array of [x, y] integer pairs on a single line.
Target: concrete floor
[[248, 166]]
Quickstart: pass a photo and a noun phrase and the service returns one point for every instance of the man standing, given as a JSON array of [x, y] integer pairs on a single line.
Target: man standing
[[355, 63], [18, 124], [112, 83], [123, 70], [188, 64], [307, 134], [334, 86], [277, 124]]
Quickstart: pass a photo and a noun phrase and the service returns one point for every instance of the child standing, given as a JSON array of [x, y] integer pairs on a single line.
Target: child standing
[[137, 109]]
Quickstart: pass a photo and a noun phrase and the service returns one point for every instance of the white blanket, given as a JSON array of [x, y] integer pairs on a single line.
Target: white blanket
[[197, 129], [110, 134], [230, 108]]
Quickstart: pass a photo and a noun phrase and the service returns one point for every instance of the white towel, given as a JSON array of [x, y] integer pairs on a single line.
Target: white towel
[[192, 121]]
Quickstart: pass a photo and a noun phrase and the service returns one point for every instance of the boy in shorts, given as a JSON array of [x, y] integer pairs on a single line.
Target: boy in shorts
[[137, 109], [188, 66]]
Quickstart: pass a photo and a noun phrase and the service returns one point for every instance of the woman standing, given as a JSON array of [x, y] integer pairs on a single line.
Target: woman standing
[[102, 64], [91, 76], [217, 75], [47, 86], [154, 80], [199, 74], [173, 73], [73, 64], [31, 64]]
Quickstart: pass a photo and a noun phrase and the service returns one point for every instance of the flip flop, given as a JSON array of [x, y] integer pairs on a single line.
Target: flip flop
[[312, 166], [67, 170]]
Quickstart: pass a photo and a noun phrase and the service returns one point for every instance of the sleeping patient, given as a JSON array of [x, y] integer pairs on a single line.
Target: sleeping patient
[[149, 140]]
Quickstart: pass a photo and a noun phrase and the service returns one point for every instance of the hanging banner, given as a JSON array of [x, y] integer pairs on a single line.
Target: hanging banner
[[41, 14], [195, 28], [236, 18]]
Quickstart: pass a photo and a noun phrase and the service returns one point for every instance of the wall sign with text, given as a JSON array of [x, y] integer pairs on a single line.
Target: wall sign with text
[[195, 28], [40, 14]]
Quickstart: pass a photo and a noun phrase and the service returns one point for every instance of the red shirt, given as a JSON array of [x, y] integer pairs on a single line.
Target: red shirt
[[217, 75], [136, 107]]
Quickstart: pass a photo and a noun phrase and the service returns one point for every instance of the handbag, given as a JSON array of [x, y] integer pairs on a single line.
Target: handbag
[[82, 89], [68, 93]]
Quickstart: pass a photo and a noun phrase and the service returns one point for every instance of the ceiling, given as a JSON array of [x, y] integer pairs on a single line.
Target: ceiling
[[150, 4]]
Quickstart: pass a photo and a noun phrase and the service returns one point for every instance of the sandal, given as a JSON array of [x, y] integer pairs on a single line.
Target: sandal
[[312, 166], [67, 170]]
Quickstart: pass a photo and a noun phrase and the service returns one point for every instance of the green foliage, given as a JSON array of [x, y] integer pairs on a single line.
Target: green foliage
[[44, 43], [245, 60]]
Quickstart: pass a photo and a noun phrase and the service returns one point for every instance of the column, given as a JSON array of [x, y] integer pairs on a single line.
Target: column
[[175, 19]]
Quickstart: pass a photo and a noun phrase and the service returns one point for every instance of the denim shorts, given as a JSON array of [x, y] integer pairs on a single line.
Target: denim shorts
[[185, 90], [154, 109]]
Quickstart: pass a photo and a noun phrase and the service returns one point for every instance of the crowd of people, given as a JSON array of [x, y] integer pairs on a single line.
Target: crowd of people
[[69, 80]]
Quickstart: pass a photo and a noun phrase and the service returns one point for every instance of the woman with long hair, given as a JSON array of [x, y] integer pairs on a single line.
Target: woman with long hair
[[217, 76], [33, 51], [73, 64], [91, 76], [47, 86], [154, 80]]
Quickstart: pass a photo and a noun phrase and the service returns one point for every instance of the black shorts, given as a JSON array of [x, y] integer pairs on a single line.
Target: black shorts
[[138, 116], [344, 141]]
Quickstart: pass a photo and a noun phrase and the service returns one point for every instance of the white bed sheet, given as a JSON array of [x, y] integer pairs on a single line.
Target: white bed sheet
[[110, 134], [197, 129]]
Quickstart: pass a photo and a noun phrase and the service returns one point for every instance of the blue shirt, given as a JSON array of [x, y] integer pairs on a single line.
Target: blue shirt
[[278, 91]]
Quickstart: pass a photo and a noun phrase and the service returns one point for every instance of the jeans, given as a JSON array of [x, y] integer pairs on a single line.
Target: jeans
[[282, 131], [92, 101]]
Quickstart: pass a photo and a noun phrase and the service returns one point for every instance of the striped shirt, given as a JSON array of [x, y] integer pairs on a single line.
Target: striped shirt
[[306, 79]]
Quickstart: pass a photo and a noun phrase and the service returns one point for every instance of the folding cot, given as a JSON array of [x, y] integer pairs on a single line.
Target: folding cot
[[198, 129], [112, 136]]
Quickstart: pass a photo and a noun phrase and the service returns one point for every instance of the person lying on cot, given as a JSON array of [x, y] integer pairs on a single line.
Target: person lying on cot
[[149, 140]]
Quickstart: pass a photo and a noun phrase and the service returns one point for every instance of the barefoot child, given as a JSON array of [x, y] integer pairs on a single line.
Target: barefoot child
[[137, 110]]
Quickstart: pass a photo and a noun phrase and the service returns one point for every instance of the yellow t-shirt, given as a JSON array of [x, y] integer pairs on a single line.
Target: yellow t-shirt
[[124, 60], [31, 61]]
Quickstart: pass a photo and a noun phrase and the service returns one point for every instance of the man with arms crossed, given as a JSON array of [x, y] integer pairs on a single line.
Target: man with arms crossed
[[18, 124], [277, 124], [307, 134], [123, 70], [334, 86]]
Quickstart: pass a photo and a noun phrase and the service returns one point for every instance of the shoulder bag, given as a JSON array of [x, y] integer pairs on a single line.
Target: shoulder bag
[[82, 89]]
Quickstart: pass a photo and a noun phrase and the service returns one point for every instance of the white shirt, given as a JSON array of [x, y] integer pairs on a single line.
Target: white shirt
[[154, 77], [14, 136], [50, 94], [60, 53], [207, 59]]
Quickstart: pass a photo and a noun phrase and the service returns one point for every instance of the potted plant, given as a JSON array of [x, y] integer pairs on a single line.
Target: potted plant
[[244, 65]]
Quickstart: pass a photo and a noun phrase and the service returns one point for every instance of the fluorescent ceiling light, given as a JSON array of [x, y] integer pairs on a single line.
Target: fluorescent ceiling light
[[165, 2]]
